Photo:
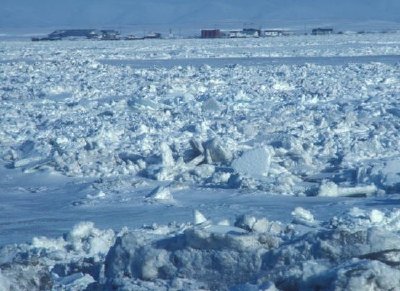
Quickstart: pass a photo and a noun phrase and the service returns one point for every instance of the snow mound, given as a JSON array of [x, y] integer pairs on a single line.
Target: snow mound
[[356, 250], [212, 256]]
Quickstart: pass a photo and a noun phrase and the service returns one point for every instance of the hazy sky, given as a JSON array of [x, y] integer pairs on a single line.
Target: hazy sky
[[190, 13]]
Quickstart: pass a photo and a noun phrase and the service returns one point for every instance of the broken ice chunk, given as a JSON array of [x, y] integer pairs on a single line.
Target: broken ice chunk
[[250, 223], [26, 161], [330, 189], [99, 195], [303, 216], [166, 155], [376, 216], [199, 218], [387, 175], [216, 153], [245, 222], [197, 146], [254, 163], [138, 102], [224, 222], [75, 281], [211, 105], [160, 194]]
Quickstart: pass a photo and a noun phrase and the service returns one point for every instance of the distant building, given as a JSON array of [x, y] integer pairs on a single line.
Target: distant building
[[244, 33], [322, 31], [274, 32], [236, 34], [251, 32], [154, 35], [133, 37], [211, 33], [40, 38]]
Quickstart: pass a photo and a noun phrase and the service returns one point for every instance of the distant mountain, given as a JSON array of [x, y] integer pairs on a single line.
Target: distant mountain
[[192, 13]]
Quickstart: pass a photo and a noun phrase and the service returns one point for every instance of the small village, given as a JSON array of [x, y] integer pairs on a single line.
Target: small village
[[256, 33], [92, 34], [110, 34]]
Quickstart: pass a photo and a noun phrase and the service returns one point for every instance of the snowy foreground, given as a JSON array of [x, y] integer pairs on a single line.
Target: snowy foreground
[[262, 164]]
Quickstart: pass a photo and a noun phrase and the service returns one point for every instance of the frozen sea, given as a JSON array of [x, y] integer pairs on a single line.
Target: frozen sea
[[189, 164]]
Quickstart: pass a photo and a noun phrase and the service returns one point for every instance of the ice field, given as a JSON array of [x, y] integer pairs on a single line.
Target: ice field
[[188, 164]]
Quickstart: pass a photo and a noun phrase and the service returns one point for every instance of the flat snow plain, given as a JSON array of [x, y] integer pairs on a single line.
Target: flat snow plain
[[246, 164]]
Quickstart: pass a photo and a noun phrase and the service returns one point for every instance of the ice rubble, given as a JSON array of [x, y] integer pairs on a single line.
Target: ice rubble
[[201, 124], [295, 46], [69, 262], [356, 250], [297, 128]]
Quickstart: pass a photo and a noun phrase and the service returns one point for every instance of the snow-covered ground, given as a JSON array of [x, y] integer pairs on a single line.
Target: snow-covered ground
[[201, 164]]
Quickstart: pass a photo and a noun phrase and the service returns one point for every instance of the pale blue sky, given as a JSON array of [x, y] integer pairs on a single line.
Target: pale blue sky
[[190, 13]]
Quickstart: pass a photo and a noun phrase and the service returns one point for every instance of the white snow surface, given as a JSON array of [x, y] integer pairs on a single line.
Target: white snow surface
[[262, 164]]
